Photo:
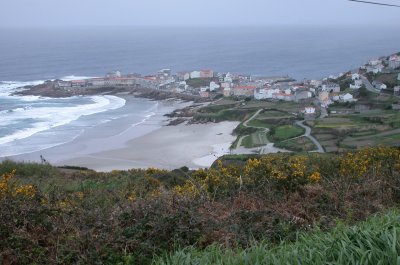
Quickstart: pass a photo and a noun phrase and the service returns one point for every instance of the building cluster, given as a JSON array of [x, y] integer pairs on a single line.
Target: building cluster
[[209, 84], [383, 64]]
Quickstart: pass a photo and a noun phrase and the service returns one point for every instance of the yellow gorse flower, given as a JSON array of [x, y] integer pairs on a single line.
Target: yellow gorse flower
[[8, 187], [315, 177]]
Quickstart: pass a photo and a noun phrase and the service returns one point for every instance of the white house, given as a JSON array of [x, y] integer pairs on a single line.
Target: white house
[[374, 62], [226, 84], [113, 74], [214, 86], [375, 69], [265, 93], [379, 85], [202, 74], [355, 76], [346, 97], [228, 78], [195, 74], [357, 84], [394, 61], [309, 110], [336, 98]]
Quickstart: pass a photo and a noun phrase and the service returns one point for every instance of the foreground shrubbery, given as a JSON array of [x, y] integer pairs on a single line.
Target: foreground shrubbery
[[128, 217], [375, 241]]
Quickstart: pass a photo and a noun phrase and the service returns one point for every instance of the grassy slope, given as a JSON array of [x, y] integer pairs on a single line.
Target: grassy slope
[[375, 241]]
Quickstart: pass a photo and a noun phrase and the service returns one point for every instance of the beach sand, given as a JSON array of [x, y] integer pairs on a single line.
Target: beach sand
[[169, 147], [118, 146]]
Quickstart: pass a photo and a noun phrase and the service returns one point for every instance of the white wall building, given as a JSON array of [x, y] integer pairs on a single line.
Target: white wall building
[[357, 84], [195, 74], [309, 110], [374, 62], [346, 97], [394, 61], [113, 74], [265, 93], [355, 76], [214, 86], [228, 78]]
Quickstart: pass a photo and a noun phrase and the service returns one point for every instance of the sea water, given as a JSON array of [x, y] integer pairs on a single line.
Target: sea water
[[30, 123]]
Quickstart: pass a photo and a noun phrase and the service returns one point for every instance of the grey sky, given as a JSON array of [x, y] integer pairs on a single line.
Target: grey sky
[[65, 13]]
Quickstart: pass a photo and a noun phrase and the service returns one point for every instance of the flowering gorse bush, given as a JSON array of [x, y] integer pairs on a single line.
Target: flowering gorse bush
[[10, 188], [370, 162]]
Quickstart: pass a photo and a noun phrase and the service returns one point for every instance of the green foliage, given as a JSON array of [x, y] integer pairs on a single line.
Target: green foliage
[[128, 217], [223, 115], [28, 169], [375, 241], [363, 92]]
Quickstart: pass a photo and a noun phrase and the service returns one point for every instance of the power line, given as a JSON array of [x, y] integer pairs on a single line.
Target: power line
[[373, 3]]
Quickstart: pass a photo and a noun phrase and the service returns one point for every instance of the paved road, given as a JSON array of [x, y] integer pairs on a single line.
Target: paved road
[[251, 118], [368, 85], [324, 112], [309, 136]]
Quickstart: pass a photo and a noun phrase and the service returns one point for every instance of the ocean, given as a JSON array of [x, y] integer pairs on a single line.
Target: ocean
[[27, 57]]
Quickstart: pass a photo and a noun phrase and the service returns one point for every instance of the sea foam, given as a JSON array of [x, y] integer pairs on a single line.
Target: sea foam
[[32, 116]]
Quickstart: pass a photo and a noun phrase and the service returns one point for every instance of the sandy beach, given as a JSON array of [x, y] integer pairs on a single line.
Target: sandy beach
[[169, 147], [119, 144]]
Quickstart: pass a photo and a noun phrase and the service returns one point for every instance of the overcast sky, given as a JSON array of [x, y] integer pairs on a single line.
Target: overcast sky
[[67, 13]]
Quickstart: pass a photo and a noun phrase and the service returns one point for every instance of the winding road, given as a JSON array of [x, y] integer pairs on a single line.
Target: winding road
[[307, 134], [269, 147], [368, 85]]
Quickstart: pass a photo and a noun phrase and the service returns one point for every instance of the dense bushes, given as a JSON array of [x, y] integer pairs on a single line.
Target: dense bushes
[[373, 242], [128, 217]]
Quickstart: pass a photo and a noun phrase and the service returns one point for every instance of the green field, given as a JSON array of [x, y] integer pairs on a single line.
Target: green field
[[222, 115], [346, 132], [256, 139], [298, 145], [285, 132], [259, 123]]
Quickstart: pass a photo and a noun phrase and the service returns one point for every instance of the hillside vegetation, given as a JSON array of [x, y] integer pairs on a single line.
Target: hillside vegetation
[[59, 216], [373, 242]]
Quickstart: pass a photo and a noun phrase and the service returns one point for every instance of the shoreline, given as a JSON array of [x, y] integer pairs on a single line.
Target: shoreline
[[152, 142]]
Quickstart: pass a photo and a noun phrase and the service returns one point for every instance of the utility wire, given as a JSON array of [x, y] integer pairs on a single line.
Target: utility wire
[[373, 3]]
